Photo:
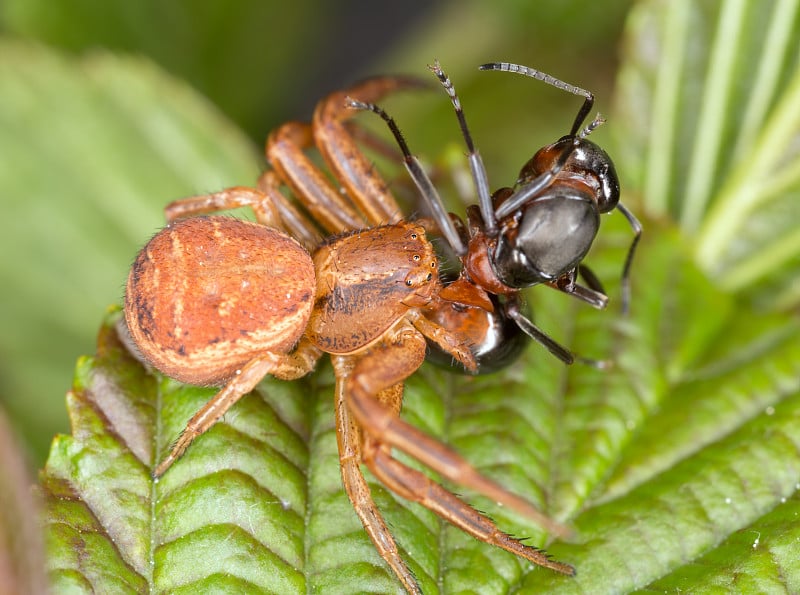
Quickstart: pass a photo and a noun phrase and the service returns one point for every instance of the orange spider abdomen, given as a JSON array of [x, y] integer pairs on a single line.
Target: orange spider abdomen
[[208, 294]]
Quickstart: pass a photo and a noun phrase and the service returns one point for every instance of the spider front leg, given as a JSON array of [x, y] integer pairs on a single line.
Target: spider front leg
[[392, 362], [384, 366], [349, 440]]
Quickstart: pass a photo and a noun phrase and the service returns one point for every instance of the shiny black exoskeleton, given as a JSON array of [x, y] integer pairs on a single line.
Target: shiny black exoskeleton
[[537, 232], [550, 233]]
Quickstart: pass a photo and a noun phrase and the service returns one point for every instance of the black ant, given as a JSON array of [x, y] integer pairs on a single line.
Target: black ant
[[536, 232]]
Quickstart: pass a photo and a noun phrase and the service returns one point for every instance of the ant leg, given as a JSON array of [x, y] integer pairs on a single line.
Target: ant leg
[[513, 311], [348, 438], [591, 279], [391, 363], [479, 176], [416, 487], [284, 366], [536, 185], [594, 295], [420, 178], [626, 269], [534, 332], [308, 183], [376, 144], [355, 172]]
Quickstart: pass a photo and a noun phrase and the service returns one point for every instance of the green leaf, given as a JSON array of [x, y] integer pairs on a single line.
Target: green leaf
[[692, 441], [678, 468]]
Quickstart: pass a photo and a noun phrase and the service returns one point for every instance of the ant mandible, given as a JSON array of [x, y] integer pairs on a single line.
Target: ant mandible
[[537, 232]]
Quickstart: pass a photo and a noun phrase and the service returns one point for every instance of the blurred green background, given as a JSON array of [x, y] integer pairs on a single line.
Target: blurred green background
[[86, 166]]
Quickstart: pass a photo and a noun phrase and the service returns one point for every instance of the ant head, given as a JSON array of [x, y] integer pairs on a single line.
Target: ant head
[[587, 163], [550, 234], [547, 237]]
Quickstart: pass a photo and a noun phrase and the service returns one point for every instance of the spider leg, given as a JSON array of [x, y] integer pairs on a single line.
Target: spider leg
[[349, 438], [264, 207], [270, 206], [447, 341], [417, 487], [285, 152], [365, 186], [285, 366], [390, 363], [296, 223]]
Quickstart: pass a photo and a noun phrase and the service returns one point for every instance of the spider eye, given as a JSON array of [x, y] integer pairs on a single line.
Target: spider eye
[[409, 282]]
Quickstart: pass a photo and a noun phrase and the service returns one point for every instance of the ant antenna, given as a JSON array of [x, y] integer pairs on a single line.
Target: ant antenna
[[479, 176], [588, 100], [476, 166], [419, 176], [599, 119]]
